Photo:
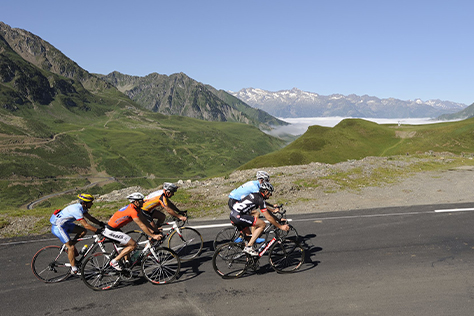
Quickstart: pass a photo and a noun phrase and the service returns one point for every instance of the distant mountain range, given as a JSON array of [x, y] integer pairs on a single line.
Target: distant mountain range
[[297, 103]]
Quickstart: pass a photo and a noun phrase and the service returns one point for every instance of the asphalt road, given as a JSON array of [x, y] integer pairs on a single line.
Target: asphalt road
[[393, 261]]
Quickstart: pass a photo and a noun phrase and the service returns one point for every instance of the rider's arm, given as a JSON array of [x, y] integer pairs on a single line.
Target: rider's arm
[[173, 211], [273, 208], [274, 222], [93, 219], [86, 225], [148, 222], [145, 229]]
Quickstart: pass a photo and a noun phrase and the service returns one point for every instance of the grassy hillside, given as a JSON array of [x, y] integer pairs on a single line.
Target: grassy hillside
[[179, 94], [466, 113], [54, 153], [357, 138]]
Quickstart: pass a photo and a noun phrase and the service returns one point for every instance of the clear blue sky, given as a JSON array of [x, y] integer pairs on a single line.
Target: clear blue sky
[[384, 48]]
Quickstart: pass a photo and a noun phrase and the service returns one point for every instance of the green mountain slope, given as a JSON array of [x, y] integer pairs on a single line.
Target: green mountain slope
[[178, 94], [357, 138], [62, 128], [461, 115]]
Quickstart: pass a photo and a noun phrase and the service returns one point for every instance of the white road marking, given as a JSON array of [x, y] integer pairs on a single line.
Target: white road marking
[[292, 220], [455, 210]]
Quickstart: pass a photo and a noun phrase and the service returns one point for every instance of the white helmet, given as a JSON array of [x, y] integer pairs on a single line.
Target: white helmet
[[135, 196], [263, 175]]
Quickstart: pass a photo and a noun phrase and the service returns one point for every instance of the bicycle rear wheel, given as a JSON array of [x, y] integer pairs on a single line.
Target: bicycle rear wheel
[[228, 234], [229, 261], [187, 245], [161, 265], [97, 273], [286, 256], [51, 265]]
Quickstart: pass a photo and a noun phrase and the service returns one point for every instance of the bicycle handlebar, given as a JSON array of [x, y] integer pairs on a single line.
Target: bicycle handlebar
[[179, 222]]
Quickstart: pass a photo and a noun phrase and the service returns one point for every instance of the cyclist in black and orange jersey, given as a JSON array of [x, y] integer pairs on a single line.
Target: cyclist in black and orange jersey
[[122, 217], [161, 200]]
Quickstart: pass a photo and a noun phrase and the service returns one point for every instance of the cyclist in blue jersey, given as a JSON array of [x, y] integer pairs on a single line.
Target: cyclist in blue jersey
[[247, 188], [242, 215], [63, 224]]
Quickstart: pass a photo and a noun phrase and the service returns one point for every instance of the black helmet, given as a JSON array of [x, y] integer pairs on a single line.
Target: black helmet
[[168, 186], [266, 186]]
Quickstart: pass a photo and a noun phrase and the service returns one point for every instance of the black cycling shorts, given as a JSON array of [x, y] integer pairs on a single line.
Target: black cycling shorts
[[242, 220]]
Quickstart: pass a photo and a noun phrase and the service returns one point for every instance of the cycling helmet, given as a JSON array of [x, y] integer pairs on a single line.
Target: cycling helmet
[[263, 175], [266, 186], [168, 186], [85, 197], [135, 197]]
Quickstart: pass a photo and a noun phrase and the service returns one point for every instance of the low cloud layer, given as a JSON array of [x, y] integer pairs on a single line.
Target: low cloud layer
[[298, 126]]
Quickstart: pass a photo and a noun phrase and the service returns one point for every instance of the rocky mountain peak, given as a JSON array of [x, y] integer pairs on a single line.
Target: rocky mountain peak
[[298, 103]]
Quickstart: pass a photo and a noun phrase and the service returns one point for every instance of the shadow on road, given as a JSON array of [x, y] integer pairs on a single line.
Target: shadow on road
[[310, 252]]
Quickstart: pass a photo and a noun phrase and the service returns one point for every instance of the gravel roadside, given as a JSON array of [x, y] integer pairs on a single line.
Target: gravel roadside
[[319, 187]]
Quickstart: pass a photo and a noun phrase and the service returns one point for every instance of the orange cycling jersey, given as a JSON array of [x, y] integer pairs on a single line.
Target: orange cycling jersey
[[123, 216], [155, 199]]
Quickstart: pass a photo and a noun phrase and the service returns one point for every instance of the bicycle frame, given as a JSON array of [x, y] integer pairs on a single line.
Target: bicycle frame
[[174, 227], [98, 242], [267, 246], [268, 228], [147, 249]]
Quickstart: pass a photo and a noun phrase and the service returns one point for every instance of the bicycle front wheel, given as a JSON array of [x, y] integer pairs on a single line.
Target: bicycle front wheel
[[228, 234], [286, 256], [229, 261], [161, 265], [50, 264], [290, 234], [187, 245], [97, 273]]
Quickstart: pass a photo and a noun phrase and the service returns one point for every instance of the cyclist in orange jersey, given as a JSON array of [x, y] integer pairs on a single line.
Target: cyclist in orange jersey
[[122, 217], [161, 200]]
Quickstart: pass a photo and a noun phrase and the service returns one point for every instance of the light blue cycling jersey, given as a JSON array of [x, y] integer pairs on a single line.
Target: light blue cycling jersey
[[245, 189], [69, 214]]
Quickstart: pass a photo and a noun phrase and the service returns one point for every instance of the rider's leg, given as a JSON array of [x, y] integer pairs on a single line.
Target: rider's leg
[[259, 227], [160, 218], [129, 247], [71, 245]]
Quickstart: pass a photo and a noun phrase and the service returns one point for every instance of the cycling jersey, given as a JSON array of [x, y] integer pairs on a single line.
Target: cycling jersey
[[63, 221], [245, 189], [155, 199], [123, 216], [250, 203], [69, 214]]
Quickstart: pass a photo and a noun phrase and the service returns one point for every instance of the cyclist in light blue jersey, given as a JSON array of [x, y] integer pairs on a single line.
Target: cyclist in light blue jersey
[[63, 224], [249, 187]]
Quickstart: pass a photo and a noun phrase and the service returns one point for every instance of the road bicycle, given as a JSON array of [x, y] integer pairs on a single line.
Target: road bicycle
[[50, 264], [229, 234], [159, 265], [186, 241], [285, 256]]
